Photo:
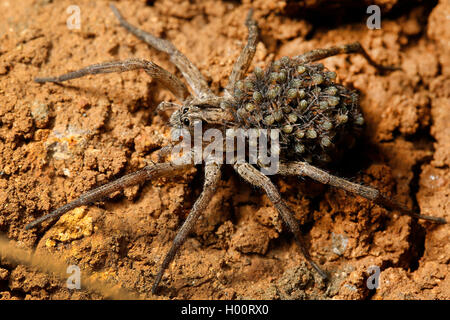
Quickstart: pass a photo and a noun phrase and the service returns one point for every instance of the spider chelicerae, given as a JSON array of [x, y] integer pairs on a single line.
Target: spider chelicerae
[[318, 120]]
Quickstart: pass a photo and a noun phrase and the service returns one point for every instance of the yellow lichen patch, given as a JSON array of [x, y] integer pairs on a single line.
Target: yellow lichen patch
[[73, 225], [106, 275], [50, 243]]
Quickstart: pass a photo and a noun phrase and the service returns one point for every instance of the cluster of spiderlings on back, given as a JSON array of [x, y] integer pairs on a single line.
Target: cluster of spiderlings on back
[[317, 118]]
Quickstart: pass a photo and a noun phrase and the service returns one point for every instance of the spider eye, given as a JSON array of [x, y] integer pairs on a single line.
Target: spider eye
[[186, 121], [184, 110]]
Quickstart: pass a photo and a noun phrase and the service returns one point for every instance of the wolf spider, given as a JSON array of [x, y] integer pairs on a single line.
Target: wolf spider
[[215, 111]]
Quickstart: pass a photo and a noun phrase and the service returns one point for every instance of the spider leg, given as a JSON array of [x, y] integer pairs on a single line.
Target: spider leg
[[190, 72], [212, 177], [175, 85], [165, 105], [305, 169], [146, 173], [354, 47], [256, 178], [246, 56]]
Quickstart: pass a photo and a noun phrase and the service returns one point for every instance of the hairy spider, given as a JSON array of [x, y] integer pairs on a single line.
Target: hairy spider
[[317, 118]]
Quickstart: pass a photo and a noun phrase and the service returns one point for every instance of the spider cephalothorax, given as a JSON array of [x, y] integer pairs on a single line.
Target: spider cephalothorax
[[209, 111], [316, 117]]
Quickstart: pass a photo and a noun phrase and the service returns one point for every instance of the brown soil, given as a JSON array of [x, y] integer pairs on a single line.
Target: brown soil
[[57, 141]]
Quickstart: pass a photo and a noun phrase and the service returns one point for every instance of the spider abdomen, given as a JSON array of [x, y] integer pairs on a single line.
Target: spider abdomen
[[317, 118]]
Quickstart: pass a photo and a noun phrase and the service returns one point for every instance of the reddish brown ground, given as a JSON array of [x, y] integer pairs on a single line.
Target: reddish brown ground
[[57, 141]]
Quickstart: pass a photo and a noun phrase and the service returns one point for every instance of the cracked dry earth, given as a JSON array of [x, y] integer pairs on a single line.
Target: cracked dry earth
[[58, 141]]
